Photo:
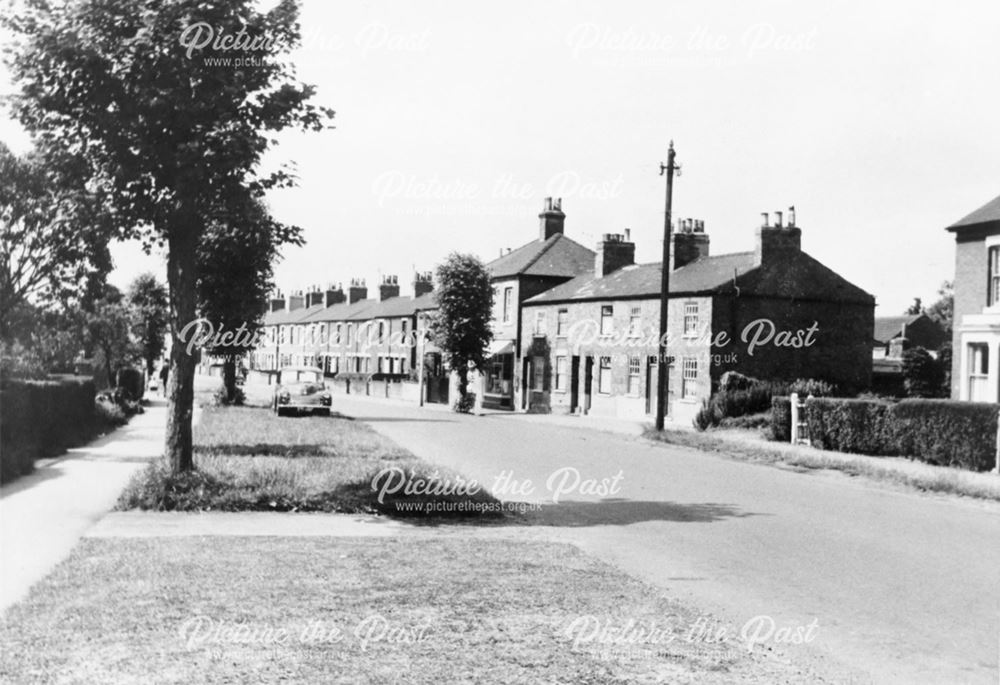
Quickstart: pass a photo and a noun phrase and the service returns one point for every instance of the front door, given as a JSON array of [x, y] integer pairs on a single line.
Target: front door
[[574, 384], [588, 378]]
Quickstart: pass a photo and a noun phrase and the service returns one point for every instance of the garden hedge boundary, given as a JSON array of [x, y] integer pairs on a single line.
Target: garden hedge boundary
[[40, 418], [941, 432]]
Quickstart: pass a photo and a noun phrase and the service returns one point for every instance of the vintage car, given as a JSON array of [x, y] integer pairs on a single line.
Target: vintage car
[[301, 389]]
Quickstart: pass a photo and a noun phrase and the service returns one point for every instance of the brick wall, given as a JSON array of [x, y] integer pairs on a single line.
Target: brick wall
[[971, 274]]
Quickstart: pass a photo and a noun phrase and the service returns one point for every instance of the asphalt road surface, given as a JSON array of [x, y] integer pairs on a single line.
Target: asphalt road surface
[[902, 587]]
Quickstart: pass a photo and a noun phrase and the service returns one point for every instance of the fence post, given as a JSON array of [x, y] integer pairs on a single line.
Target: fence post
[[795, 418]]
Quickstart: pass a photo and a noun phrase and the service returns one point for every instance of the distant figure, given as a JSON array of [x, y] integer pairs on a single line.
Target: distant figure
[[164, 372]]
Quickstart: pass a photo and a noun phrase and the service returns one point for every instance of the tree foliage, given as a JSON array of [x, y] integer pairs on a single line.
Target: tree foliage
[[922, 373], [53, 235], [169, 136], [235, 275], [109, 327], [461, 327], [943, 309], [148, 302]]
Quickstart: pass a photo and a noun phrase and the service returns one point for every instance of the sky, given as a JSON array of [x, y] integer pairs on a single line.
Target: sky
[[877, 121]]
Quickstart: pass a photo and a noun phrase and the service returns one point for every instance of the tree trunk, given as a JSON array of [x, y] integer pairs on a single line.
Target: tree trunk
[[229, 377], [463, 382], [181, 277]]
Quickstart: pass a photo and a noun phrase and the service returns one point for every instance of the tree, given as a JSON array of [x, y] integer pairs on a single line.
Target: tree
[[53, 235], [914, 308], [109, 333], [461, 327], [922, 375], [236, 267], [147, 299], [168, 132], [943, 308]]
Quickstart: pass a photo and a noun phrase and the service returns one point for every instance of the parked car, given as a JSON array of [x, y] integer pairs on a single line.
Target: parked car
[[301, 389]]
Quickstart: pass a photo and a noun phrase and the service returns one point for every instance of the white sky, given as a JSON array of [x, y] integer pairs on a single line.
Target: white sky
[[879, 122]]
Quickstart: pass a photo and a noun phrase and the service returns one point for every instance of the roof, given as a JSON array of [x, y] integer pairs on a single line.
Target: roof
[[988, 213], [557, 256], [732, 273], [363, 310], [286, 316], [889, 327]]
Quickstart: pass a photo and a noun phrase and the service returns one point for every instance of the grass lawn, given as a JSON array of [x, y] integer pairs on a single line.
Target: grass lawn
[[248, 459], [427, 609]]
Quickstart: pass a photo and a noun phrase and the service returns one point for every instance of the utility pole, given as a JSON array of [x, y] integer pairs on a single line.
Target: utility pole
[[663, 362]]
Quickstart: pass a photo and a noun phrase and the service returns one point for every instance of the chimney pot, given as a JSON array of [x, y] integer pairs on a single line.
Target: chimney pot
[[628, 234], [777, 219], [765, 223], [791, 216], [552, 219]]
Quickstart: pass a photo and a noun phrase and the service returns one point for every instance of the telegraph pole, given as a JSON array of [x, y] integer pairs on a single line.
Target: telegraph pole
[[663, 363]]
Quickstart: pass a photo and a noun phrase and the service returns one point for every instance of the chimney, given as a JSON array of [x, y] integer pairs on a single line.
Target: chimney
[[314, 297], [389, 288], [422, 284], [777, 242], [333, 295], [690, 243], [296, 301], [277, 302], [551, 219], [357, 291], [613, 252]]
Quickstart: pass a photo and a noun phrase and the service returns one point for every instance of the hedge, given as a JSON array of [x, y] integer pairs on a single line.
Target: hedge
[[40, 418], [781, 419], [943, 432]]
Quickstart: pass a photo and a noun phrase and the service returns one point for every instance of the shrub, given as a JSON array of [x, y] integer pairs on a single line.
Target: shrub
[[464, 405], [108, 414], [708, 415], [132, 383], [733, 380], [40, 418], [849, 425], [922, 374], [221, 399], [947, 432], [810, 386], [780, 428]]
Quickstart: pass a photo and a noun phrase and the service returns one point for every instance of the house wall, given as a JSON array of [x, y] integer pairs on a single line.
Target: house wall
[[840, 351], [582, 339], [971, 283]]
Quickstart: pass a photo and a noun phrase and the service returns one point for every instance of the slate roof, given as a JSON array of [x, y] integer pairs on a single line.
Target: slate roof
[[285, 316], [988, 213], [557, 256], [362, 310], [797, 277], [889, 327]]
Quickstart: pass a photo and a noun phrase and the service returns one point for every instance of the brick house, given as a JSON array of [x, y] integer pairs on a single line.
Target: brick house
[[893, 336], [976, 328], [590, 344], [518, 275]]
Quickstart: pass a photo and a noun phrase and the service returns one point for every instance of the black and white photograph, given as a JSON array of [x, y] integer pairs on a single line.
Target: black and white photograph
[[568, 342]]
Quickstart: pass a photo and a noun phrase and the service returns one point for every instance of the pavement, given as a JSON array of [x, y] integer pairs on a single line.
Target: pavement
[[904, 586], [44, 514]]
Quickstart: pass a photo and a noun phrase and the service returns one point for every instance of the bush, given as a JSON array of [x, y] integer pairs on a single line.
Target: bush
[[922, 374], [943, 432], [221, 399], [708, 415], [132, 383], [810, 386], [849, 425], [946, 432], [780, 428], [40, 418]]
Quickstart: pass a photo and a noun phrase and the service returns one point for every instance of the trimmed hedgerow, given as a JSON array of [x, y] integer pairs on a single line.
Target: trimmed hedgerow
[[850, 425], [943, 432], [947, 432], [780, 428]]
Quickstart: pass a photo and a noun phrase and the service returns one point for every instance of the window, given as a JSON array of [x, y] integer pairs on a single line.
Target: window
[[540, 323], [634, 369], [322, 334], [561, 372], [690, 319], [689, 378], [634, 321], [562, 322], [993, 296], [336, 335], [381, 332], [604, 376], [403, 339], [350, 332], [979, 371], [508, 296], [538, 370], [607, 319], [282, 335]]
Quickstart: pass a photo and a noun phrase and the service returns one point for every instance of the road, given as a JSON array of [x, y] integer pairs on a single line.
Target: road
[[44, 514], [903, 586]]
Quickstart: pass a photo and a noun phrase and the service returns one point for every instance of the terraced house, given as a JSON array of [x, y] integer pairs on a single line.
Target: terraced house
[[518, 275], [590, 344]]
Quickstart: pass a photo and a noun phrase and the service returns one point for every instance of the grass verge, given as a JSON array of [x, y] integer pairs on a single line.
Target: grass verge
[[426, 609], [901, 472], [247, 459]]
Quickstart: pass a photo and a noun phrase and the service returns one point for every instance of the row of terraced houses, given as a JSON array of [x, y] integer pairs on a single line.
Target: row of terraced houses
[[576, 329]]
